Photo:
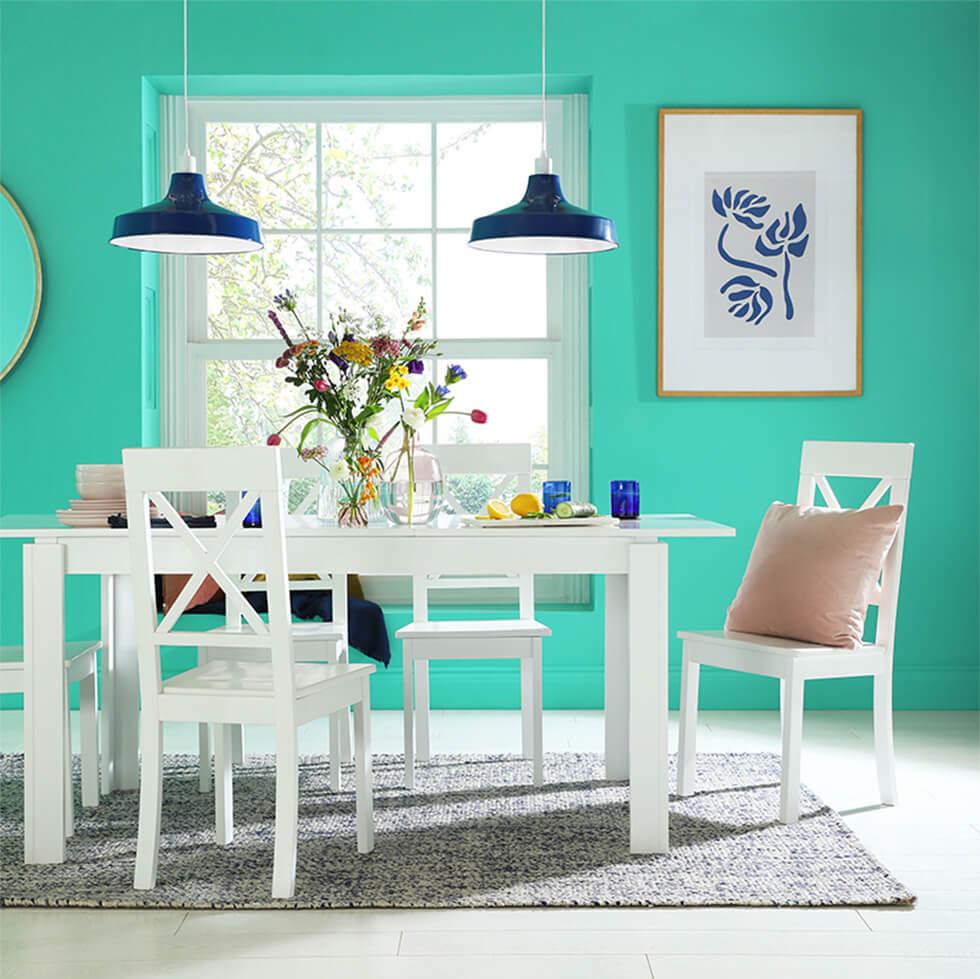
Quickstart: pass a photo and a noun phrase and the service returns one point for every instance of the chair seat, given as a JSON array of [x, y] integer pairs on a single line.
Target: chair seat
[[248, 679], [475, 629], [772, 644], [300, 631], [12, 657]]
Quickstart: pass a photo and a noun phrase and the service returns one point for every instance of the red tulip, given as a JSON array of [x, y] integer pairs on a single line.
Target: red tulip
[[274, 439], [480, 417], [321, 385]]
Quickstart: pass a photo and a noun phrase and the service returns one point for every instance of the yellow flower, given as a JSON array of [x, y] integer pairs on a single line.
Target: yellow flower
[[352, 350], [397, 378]]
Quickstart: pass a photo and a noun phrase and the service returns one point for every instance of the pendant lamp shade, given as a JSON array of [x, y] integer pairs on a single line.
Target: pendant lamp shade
[[186, 222], [544, 223]]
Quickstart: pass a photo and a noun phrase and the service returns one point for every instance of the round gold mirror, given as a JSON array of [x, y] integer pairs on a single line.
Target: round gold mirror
[[20, 282]]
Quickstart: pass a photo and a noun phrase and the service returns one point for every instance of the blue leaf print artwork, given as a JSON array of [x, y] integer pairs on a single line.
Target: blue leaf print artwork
[[749, 299], [747, 209], [786, 238]]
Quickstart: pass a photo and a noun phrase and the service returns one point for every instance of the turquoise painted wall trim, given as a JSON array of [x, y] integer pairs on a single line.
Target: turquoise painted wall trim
[[73, 102]]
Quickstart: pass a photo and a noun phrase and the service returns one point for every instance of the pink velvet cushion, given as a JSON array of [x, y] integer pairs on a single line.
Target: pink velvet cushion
[[812, 572]]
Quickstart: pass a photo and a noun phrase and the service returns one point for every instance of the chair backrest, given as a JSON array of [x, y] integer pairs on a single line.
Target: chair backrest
[[891, 464], [506, 461], [149, 474]]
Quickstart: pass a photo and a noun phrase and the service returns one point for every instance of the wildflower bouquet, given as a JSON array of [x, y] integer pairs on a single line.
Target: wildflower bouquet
[[351, 375]]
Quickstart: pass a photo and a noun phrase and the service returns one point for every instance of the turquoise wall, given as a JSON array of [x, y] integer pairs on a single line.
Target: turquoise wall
[[72, 138]]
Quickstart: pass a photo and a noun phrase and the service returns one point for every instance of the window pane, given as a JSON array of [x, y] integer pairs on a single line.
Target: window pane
[[377, 273], [482, 167], [246, 401], [513, 393], [241, 287], [377, 176], [480, 294], [264, 170]]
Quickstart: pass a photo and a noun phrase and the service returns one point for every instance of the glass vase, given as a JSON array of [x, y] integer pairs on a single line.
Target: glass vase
[[412, 490]]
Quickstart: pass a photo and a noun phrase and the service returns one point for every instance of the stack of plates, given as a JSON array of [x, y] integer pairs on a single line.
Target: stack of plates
[[102, 495]]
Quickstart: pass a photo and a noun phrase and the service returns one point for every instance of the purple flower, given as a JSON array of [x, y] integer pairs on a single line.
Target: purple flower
[[455, 373], [442, 391], [286, 300], [339, 361], [415, 367], [277, 323]]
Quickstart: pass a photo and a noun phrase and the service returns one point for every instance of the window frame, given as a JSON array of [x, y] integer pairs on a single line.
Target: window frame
[[186, 348]]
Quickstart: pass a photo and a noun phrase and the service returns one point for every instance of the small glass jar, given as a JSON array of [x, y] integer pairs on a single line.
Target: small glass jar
[[625, 499], [555, 491], [415, 502]]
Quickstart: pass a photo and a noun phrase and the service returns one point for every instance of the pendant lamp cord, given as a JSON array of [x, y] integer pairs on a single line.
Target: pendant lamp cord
[[544, 122], [189, 163]]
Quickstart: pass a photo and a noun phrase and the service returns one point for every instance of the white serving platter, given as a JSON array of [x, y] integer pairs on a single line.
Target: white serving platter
[[600, 521]]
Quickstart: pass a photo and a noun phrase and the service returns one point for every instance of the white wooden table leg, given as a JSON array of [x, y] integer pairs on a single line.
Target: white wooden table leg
[[125, 707], [66, 770], [107, 673], [649, 814], [422, 750], [617, 677], [204, 758], [238, 744], [364, 788], [333, 723], [44, 703], [346, 749], [407, 719]]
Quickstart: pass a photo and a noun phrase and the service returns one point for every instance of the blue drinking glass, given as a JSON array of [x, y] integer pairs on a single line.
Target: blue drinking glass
[[254, 517], [555, 491], [625, 498]]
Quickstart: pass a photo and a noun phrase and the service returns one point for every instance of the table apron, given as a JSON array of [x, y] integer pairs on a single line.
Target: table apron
[[397, 556]]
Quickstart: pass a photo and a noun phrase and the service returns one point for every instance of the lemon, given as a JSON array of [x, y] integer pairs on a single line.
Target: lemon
[[498, 510], [525, 503]]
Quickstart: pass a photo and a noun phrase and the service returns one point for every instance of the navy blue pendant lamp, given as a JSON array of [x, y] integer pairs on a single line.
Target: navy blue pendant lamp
[[186, 222], [542, 222]]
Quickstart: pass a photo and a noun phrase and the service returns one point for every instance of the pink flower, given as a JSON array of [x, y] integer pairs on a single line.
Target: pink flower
[[479, 417], [274, 439], [321, 385], [385, 346]]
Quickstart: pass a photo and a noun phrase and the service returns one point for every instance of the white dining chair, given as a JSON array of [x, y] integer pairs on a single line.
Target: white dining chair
[[277, 691], [81, 667], [320, 642], [793, 663], [424, 640]]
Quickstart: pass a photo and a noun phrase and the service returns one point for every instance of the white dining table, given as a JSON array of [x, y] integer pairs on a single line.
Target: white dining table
[[631, 556]]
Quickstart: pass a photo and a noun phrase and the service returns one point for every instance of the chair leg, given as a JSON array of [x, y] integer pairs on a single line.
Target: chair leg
[[335, 722], [407, 666], [237, 744], [69, 817], [364, 791], [151, 795], [688, 728], [204, 757], [884, 738], [224, 804], [527, 706], [89, 724], [792, 727], [346, 742], [537, 715], [422, 750], [287, 813]]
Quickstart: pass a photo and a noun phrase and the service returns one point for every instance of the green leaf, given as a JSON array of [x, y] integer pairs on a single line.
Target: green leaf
[[308, 427], [373, 432], [438, 410], [422, 401]]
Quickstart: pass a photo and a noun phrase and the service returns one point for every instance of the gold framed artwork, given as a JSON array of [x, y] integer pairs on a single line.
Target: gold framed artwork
[[759, 252]]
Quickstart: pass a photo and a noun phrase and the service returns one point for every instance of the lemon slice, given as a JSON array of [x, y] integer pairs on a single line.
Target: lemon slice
[[499, 510]]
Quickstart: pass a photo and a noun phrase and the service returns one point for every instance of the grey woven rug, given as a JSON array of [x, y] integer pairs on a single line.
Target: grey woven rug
[[473, 833]]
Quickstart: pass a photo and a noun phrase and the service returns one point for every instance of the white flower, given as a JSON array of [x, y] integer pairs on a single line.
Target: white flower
[[338, 470], [413, 418]]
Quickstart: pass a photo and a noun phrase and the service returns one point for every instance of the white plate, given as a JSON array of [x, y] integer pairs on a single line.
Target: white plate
[[601, 521], [114, 501], [70, 519]]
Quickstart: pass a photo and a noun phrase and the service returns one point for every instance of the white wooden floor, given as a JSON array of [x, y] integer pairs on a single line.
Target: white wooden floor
[[931, 841]]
